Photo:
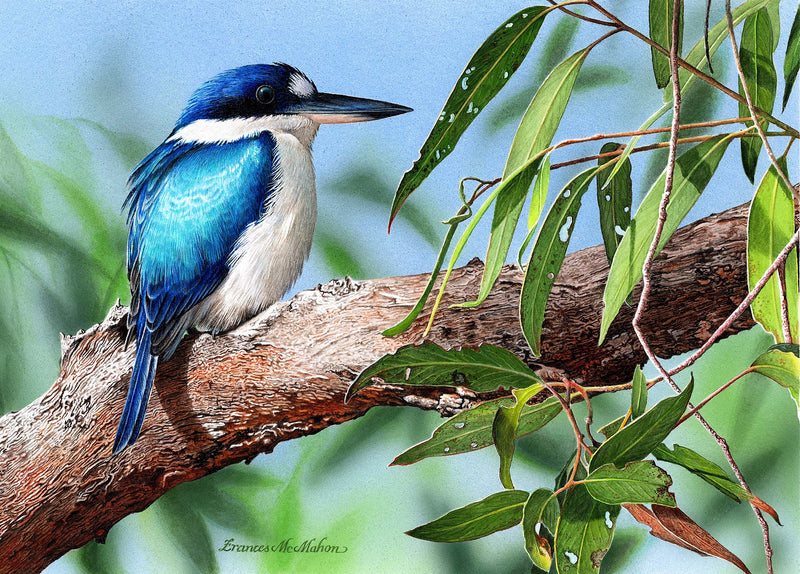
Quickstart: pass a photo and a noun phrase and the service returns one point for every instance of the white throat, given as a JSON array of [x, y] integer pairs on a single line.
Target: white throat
[[302, 128]]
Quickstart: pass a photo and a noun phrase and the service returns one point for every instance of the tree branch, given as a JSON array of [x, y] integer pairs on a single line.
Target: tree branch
[[284, 374]]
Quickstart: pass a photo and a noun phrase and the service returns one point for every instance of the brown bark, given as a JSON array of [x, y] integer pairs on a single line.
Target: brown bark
[[284, 374]]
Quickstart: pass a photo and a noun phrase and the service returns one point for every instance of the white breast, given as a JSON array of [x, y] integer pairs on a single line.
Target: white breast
[[269, 255]]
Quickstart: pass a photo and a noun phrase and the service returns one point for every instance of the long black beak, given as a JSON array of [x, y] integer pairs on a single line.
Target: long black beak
[[337, 109]]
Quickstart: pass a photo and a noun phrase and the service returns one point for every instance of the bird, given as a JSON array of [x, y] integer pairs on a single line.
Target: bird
[[221, 215]]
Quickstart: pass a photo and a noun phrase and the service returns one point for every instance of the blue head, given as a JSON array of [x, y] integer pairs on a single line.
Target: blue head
[[275, 90]]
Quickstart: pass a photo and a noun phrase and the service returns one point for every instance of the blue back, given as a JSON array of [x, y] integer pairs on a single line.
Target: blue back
[[189, 203]]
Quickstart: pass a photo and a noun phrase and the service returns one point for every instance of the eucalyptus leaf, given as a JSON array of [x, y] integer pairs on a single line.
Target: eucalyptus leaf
[[584, 532], [494, 513], [639, 393], [538, 198], [639, 482], [540, 508], [614, 200], [755, 53], [547, 256], [712, 473], [483, 369], [660, 20], [471, 429], [693, 170], [487, 72], [504, 430], [770, 226], [638, 439], [536, 130], [783, 367], [791, 62]]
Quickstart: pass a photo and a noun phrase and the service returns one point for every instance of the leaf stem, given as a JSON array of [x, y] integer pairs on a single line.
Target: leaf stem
[[702, 403]]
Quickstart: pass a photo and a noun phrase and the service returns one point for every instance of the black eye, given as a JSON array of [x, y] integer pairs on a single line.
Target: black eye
[[265, 94]]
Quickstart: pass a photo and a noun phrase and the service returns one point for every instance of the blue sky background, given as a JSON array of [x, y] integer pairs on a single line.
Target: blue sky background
[[131, 65]]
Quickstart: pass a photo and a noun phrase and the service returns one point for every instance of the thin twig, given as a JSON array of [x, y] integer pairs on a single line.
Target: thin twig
[[702, 403], [665, 197], [708, 124], [742, 306], [749, 100], [649, 147], [785, 321], [581, 16]]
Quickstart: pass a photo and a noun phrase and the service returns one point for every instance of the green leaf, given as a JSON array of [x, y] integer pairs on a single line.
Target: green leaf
[[693, 171], [540, 508], [504, 430], [697, 58], [700, 466], [494, 513], [472, 429], [611, 428], [640, 482], [487, 72], [661, 32], [538, 198], [547, 257], [755, 53], [791, 62], [638, 439], [639, 393], [483, 369], [770, 226], [414, 313], [584, 532], [783, 367], [614, 199], [535, 132]]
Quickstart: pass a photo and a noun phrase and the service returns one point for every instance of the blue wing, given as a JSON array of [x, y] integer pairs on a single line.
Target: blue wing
[[188, 205]]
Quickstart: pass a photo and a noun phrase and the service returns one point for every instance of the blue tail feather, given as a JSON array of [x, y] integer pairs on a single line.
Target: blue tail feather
[[144, 370]]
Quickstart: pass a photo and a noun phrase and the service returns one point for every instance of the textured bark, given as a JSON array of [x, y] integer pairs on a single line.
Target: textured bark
[[284, 374]]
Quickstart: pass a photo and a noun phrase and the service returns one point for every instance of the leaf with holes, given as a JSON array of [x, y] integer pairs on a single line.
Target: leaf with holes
[[712, 473], [755, 53], [638, 439], [547, 256], [496, 512], [614, 200], [770, 226], [661, 32], [693, 171], [781, 364], [639, 482], [504, 430], [584, 532], [487, 72], [472, 429], [535, 132], [484, 369], [540, 508], [791, 63]]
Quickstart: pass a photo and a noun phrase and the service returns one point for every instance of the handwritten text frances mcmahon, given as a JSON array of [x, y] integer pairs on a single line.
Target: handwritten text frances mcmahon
[[287, 545]]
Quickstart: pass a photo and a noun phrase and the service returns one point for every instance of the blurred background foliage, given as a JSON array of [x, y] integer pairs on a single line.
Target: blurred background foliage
[[62, 244]]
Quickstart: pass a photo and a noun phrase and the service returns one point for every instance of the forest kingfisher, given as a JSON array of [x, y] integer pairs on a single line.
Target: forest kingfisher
[[221, 214]]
